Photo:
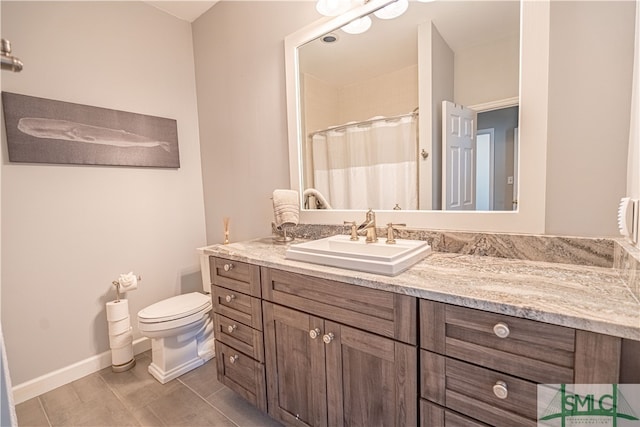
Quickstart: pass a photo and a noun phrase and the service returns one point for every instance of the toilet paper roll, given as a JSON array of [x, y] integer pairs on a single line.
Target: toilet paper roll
[[121, 340], [119, 326], [117, 310], [122, 355]]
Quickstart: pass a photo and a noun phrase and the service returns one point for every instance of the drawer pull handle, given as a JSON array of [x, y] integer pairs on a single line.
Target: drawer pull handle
[[229, 298], [232, 359], [231, 328], [501, 330], [328, 338], [500, 390], [314, 333], [228, 267]]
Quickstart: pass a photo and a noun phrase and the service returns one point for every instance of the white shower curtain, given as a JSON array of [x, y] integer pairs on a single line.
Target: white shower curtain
[[368, 166]]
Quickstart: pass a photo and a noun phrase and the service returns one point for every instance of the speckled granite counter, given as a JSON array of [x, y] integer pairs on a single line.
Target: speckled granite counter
[[595, 299]]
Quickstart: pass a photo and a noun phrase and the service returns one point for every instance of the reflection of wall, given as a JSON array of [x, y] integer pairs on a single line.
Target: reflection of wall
[[321, 104], [503, 121], [436, 61], [320, 110], [442, 88], [386, 95], [488, 72]]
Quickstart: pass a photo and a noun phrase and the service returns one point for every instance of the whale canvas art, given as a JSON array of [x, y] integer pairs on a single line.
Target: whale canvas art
[[48, 131]]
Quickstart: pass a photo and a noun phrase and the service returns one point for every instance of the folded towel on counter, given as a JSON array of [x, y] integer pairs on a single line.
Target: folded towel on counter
[[286, 208]]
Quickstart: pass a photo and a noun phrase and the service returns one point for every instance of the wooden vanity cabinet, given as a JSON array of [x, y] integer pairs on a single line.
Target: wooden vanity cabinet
[[335, 356], [487, 365], [237, 319], [317, 352]]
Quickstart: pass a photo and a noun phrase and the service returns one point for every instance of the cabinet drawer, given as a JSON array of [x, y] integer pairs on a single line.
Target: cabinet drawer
[[239, 336], [242, 374], [473, 390], [384, 313], [432, 415], [533, 350], [235, 275], [237, 306]]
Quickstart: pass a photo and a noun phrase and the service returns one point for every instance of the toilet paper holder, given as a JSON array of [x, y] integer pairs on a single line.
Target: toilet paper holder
[[116, 283]]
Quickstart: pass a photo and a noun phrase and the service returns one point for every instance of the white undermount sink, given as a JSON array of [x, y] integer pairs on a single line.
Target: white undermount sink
[[379, 257]]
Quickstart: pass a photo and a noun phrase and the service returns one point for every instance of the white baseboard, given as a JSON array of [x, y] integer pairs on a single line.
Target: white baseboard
[[37, 386]]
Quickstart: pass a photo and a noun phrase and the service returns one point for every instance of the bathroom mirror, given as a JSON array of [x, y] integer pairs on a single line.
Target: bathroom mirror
[[470, 55], [530, 98]]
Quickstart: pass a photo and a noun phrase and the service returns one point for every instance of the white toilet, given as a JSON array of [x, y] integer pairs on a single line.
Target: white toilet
[[181, 333]]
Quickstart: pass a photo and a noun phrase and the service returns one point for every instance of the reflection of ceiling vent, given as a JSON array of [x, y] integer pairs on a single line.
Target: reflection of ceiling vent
[[9, 62], [330, 38]]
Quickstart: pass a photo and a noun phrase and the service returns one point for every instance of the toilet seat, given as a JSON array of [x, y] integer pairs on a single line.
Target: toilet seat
[[174, 312]]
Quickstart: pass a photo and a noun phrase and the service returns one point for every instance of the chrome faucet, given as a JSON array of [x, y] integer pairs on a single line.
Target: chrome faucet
[[369, 227]]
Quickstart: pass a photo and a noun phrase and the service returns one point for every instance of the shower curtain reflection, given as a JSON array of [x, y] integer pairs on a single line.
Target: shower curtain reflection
[[368, 165]]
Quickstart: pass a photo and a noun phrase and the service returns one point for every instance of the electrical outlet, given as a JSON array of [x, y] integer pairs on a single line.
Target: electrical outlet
[[509, 180]]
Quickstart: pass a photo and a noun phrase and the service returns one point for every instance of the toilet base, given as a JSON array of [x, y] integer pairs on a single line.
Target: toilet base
[[166, 376], [173, 356]]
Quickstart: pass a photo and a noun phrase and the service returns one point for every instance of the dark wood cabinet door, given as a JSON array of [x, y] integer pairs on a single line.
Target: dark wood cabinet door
[[295, 364], [371, 380]]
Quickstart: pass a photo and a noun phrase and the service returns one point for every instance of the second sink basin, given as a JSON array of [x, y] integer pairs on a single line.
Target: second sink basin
[[379, 257]]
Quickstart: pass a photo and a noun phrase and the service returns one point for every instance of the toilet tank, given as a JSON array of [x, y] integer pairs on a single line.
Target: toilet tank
[[205, 269]]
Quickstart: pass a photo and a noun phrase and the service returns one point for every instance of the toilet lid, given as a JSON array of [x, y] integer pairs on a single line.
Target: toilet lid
[[175, 307]]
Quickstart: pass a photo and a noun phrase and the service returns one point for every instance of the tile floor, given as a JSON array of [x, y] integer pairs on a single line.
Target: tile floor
[[135, 398]]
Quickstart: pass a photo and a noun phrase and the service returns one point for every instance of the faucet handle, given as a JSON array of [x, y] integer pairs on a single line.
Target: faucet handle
[[390, 235], [354, 233]]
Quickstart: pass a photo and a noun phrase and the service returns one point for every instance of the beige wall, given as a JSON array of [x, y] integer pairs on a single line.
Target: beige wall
[[68, 231], [487, 72], [241, 102], [589, 103], [389, 94], [320, 106]]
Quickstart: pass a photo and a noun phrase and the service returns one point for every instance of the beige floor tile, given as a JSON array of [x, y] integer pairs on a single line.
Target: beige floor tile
[[97, 413], [239, 410], [135, 398], [182, 408], [136, 387], [87, 401], [31, 414], [203, 380], [147, 418]]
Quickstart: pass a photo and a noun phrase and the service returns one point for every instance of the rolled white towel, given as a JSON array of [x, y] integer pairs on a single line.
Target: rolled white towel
[[285, 207], [128, 282], [321, 202]]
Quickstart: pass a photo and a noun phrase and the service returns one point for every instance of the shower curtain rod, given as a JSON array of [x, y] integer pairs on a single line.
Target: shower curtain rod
[[365, 122]]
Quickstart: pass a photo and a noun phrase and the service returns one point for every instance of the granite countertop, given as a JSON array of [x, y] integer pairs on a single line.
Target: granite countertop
[[595, 299]]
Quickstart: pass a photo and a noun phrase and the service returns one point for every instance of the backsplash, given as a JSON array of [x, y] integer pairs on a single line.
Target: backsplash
[[596, 252], [627, 261]]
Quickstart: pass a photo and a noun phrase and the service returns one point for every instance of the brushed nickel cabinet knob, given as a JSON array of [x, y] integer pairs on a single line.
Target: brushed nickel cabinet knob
[[314, 333], [500, 390], [328, 338], [501, 330]]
